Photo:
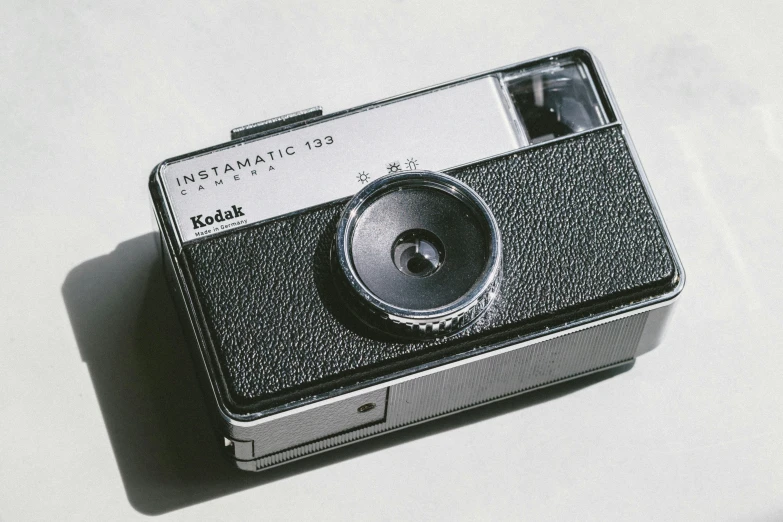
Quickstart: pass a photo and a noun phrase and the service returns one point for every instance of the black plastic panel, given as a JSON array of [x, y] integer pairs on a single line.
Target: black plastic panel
[[579, 234]]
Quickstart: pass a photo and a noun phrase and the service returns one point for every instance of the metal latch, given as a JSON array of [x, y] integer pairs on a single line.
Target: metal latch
[[274, 123]]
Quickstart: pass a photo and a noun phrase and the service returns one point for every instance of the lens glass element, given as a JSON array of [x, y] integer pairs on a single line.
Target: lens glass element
[[418, 247], [418, 253]]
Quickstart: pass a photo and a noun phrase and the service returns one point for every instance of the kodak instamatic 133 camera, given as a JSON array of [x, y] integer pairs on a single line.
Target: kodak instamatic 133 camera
[[344, 275]]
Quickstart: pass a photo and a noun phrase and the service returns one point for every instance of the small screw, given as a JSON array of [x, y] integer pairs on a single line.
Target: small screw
[[364, 408]]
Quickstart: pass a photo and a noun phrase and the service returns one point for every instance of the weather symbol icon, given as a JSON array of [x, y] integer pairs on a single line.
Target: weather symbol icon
[[363, 177], [411, 164], [393, 167]]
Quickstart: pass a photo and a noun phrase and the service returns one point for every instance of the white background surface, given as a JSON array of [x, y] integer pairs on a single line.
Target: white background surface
[[99, 415]]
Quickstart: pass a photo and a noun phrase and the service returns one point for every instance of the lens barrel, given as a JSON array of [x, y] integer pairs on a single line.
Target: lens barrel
[[418, 253]]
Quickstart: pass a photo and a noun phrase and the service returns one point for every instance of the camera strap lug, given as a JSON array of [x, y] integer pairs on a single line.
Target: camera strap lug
[[275, 123]]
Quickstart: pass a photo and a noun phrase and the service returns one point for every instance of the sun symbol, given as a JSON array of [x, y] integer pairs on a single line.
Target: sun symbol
[[393, 167], [363, 177]]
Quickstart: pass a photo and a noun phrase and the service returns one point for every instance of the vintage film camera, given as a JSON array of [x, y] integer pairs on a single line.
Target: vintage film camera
[[344, 275]]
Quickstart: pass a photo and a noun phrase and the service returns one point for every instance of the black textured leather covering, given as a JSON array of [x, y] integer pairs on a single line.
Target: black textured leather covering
[[579, 237]]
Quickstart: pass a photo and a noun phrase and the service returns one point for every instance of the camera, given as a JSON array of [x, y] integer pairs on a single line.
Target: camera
[[340, 276]]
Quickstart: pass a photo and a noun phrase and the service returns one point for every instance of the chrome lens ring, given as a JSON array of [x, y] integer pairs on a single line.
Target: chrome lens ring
[[437, 318]]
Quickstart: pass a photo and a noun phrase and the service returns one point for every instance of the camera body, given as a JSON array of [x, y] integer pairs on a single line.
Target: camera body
[[341, 276]]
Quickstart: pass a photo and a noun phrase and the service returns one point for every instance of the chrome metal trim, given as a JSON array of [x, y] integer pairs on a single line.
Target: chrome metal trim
[[277, 122]]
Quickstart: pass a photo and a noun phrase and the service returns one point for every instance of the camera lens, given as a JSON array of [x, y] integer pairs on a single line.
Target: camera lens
[[419, 253]]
